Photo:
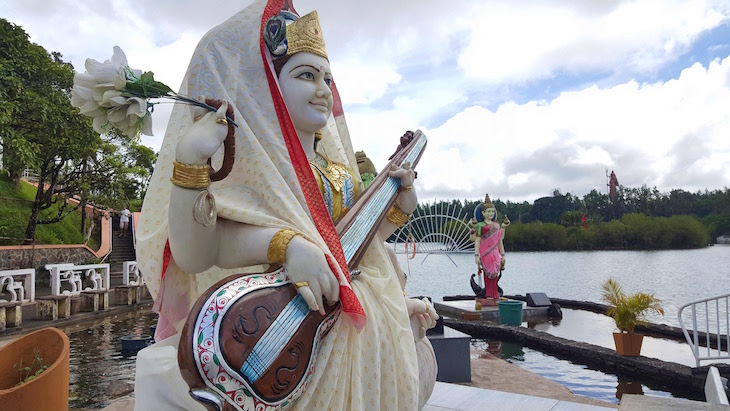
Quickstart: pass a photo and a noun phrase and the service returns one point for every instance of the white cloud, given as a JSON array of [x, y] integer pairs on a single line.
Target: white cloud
[[452, 71], [672, 134], [362, 84], [519, 42]]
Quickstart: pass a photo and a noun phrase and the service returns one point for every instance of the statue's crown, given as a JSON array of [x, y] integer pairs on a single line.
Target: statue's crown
[[487, 202], [302, 34]]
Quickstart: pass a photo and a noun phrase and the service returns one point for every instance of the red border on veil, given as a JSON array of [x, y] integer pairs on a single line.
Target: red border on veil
[[317, 208]]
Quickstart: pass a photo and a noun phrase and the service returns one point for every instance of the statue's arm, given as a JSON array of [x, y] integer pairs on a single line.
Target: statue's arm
[[231, 244], [194, 246], [407, 199], [477, 243]]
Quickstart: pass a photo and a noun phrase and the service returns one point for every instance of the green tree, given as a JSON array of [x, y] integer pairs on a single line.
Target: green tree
[[39, 128]]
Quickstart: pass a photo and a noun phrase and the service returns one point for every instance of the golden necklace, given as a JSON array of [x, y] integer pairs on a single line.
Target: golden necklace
[[335, 173]]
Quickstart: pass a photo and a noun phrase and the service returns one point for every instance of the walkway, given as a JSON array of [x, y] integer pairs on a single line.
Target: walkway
[[462, 398]]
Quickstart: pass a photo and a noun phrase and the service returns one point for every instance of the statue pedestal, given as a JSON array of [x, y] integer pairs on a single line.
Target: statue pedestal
[[452, 355]]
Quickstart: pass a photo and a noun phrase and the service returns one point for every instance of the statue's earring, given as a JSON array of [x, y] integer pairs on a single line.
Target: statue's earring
[[317, 138]]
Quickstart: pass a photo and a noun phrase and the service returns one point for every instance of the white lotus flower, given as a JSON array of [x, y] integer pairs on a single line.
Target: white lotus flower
[[118, 97]]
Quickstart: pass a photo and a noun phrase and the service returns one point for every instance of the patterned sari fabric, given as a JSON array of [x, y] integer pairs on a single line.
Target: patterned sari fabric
[[368, 360], [489, 248], [490, 234]]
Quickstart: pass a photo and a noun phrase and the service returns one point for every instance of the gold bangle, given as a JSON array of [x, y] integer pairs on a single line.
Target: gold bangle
[[278, 245], [190, 175], [301, 284], [397, 216], [406, 188]]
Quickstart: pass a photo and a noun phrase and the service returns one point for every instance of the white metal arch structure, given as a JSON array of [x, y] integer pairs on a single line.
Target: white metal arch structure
[[438, 229]]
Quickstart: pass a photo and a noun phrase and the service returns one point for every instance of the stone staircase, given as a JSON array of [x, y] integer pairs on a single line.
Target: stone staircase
[[122, 250]]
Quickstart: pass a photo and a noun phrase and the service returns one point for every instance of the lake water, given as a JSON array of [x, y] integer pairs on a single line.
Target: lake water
[[675, 276]]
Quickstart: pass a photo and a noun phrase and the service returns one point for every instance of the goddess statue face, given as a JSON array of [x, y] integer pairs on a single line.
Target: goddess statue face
[[489, 213], [305, 82]]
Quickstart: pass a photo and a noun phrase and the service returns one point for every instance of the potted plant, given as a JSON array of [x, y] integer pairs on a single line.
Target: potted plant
[[628, 311], [34, 371]]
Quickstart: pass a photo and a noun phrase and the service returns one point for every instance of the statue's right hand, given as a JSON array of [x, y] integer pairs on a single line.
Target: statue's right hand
[[204, 138], [305, 262]]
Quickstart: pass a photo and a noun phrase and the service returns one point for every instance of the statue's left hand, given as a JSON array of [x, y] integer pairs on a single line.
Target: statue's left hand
[[505, 222], [423, 316], [407, 200]]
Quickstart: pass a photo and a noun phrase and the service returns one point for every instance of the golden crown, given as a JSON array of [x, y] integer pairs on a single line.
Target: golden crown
[[302, 35], [487, 202]]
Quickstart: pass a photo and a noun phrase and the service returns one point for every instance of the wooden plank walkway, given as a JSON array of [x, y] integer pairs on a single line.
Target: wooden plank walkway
[[464, 398]]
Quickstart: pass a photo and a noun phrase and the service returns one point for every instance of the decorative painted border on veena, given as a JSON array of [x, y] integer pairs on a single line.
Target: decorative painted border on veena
[[218, 375]]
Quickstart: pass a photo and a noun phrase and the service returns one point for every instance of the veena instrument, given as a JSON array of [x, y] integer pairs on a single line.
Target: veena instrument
[[250, 342]]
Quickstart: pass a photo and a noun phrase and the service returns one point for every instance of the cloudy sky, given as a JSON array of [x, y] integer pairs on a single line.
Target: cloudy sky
[[517, 98]]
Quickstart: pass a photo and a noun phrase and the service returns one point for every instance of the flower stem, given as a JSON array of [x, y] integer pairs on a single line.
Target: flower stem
[[192, 101]]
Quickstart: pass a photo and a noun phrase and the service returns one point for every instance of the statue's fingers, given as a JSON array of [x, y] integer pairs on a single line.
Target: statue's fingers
[[423, 328], [317, 291], [333, 294], [327, 285], [198, 112], [308, 296]]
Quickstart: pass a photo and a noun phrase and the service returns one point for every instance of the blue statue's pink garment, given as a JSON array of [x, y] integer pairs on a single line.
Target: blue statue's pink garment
[[489, 255]]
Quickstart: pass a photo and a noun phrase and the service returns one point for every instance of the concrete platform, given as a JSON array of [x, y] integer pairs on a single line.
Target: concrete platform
[[647, 403], [454, 309], [463, 398]]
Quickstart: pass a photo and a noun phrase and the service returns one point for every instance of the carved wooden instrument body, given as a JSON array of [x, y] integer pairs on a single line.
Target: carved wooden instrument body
[[250, 342]]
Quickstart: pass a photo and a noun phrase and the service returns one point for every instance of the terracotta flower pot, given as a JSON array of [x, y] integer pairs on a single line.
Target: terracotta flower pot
[[49, 390], [628, 344]]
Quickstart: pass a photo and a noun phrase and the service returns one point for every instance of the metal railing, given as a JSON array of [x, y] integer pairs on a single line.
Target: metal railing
[[710, 312]]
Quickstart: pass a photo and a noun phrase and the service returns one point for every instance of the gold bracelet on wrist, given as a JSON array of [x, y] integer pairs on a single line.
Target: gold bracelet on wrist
[[190, 175], [397, 216], [278, 245]]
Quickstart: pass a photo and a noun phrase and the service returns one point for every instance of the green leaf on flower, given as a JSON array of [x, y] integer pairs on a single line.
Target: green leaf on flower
[[200, 338], [215, 360], [146, 87], [221, 292], [247, 392], [220, 387]]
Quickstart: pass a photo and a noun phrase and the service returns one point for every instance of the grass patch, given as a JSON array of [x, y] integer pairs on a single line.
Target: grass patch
[[15, 207]]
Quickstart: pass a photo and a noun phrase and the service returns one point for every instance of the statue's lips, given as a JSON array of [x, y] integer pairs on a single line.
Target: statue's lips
[[320, 106]]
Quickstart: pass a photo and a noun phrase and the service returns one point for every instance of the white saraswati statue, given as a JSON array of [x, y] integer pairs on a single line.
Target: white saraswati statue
[[288, 172]]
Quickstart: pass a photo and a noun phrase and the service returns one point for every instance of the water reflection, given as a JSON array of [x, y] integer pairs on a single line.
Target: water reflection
[[580, 379], [504, 350], [626, 386], [96, 361]]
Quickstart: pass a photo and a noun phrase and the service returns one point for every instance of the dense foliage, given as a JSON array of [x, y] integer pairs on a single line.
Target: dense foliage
[[15, 207], [41, 132], [632, 231], [637, 219]]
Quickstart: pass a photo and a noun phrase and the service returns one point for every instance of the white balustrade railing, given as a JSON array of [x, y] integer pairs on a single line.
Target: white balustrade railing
[[710, 328], [130, 267], [20, 291], [97, 274]]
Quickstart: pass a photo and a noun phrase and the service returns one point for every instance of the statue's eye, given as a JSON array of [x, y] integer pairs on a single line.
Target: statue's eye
[[328, 81], [306, 75]]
